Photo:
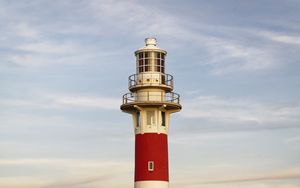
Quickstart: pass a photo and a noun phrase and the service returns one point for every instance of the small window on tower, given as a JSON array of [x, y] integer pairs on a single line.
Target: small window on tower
[[163, 118], [150, 165], [138, 119], [146, 54]]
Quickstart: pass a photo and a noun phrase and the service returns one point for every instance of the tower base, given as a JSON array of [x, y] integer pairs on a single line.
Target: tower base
[[151, 184]]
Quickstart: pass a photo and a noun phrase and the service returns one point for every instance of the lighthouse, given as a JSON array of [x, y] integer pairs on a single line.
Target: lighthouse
[[151, 101]]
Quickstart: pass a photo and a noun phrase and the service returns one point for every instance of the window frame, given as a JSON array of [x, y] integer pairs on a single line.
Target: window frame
[[138, 118], [150, 166], [150, 61], [163, 119]]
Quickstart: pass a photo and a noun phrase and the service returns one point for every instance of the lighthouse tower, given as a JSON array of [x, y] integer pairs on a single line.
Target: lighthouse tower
[[151, 102]]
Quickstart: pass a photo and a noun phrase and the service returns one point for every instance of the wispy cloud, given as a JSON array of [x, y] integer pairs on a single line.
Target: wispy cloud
[[40, 46], [230, 56], [79, 182], [290, 174], [241, 110], [63, 101], [26, 30], [276, 178], [86, 101], [285, 38], [50, 48], [79, 172], [225, 52], [60, 161]]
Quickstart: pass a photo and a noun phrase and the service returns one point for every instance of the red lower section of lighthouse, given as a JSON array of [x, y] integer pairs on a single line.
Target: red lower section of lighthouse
[[151, 157]]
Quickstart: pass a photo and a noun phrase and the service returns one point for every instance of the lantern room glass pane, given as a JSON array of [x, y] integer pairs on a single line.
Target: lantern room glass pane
[[157, 55], [150, 61], [157, 69], [141, 55], [147, 62], [158, 62], [141, 62]]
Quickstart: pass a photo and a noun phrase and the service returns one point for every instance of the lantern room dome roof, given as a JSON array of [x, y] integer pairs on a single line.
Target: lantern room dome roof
[[150, 44]]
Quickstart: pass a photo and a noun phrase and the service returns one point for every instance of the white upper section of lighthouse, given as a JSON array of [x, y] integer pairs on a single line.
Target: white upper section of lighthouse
[[151, 88]]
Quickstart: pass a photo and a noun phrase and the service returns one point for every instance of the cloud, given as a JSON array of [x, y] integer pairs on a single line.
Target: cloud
[[232, 56], [226, 53], [26, 30], [290, 174], [59, 161], [50, 48], [285, 38], [79, 182], [227, 48], [89, 102], [224, 110], [22, 182], [154, 22], [293, 139], [64, 101], [280, 178], [66, 172]]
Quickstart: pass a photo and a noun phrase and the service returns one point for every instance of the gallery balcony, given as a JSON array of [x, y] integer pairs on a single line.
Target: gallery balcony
[[146, 80]]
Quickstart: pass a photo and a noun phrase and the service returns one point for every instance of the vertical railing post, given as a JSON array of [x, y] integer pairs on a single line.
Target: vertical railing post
[[172, 97], [129, 82]]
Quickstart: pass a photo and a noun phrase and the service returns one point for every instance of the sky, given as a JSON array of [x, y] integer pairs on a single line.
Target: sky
[[64, 67]]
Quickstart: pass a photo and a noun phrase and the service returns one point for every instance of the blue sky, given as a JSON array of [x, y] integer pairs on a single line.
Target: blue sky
[[64, 67]]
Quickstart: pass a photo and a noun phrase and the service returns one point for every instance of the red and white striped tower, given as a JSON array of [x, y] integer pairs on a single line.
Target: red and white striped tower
[[151, 101]]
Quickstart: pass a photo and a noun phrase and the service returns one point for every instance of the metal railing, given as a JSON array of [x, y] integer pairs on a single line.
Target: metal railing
[[150, 97], [150, 79]]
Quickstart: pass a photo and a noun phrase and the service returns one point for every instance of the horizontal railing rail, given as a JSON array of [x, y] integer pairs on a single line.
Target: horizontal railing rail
[[160, 78], [149, 96]]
